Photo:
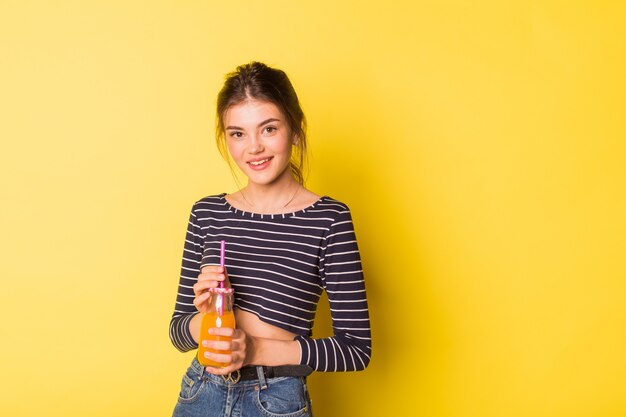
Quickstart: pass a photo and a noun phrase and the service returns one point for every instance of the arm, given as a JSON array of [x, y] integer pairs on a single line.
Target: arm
[[349, 349], [185, 322]]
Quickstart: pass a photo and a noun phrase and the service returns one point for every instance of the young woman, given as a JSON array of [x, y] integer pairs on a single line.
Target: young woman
[[284, 246]]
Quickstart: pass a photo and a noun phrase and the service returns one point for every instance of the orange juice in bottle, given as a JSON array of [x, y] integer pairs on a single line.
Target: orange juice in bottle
[[219, 314]]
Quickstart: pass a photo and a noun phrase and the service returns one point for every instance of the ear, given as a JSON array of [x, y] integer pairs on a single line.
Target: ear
[[295, 140]]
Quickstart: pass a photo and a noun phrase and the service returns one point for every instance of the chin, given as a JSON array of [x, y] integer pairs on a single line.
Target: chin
[[261, 181], [266, 178]]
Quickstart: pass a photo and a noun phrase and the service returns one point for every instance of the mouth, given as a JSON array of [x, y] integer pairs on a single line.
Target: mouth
[[259, 162]]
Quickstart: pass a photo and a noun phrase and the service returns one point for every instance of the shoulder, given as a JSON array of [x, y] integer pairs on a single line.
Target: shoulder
[[211, 199], [331, 204], [211, 203], [333, 209]]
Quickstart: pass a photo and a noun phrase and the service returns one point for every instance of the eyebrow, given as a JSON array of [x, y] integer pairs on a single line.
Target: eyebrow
[[263, 123]]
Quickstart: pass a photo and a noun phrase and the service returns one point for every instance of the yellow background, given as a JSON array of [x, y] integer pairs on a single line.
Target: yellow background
[[480, 146]]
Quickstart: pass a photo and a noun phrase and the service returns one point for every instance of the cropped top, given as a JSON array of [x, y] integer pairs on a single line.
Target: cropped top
[[279, 265]]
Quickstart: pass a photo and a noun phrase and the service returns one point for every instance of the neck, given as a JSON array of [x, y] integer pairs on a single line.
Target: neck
[[270, 198]]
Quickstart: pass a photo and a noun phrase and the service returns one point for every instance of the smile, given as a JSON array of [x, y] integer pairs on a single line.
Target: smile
[[259, 162]]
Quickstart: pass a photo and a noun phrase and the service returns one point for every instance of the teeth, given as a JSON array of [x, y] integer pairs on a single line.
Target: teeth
[[259, 162]]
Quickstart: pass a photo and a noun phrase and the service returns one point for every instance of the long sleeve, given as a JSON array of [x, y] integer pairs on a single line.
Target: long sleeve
[[184, 309], [349, 349]]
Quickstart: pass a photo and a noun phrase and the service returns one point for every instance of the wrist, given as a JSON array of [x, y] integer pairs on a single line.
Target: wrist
[[252, 347]]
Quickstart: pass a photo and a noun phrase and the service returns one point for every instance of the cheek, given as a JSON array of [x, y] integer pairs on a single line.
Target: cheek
[[233, 150], [285, 147]]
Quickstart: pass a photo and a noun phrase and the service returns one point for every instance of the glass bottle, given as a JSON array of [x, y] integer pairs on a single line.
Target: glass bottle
[[219, 313]]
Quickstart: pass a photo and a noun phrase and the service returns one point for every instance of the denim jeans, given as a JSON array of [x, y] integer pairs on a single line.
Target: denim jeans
[[207, 395]]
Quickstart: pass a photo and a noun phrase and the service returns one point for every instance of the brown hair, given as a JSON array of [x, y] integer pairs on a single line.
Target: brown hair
[[260, 82]]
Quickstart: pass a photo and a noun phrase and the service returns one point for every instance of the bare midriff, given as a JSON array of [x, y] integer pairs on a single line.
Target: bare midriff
[[253, 326]]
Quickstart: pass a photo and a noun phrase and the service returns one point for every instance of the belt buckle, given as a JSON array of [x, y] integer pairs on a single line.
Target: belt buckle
[[230, 379]]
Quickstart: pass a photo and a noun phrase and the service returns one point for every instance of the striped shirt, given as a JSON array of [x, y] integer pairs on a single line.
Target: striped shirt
[[279, 265]]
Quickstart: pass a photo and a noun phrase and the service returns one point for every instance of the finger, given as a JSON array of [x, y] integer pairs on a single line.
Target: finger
[[236, 348], [214, 272], [222, 331], [211, 277], [224, 345], [201, 286], [225, 358], [200, 300], [238, 334], [213, 269]]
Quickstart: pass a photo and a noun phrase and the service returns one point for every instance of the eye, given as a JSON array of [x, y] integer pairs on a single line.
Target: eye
[[270, 129], [235, 134]]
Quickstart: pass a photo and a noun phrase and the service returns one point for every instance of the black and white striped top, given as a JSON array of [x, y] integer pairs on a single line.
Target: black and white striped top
[[278, 265]]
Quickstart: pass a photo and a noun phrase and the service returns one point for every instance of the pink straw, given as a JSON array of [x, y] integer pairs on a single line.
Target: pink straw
[[220, 294], [222, 250]]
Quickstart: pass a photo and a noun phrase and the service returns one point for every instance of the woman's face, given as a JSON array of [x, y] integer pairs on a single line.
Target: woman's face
[[259, 140]]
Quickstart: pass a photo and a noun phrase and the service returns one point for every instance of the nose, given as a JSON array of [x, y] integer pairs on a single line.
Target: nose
[[256, 145]]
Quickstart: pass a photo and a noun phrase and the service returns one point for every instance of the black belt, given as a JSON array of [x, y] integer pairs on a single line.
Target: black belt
[[248, 373]]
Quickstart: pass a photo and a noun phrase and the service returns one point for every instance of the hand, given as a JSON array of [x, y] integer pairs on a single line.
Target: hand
[[210, 277], [240, 347]]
